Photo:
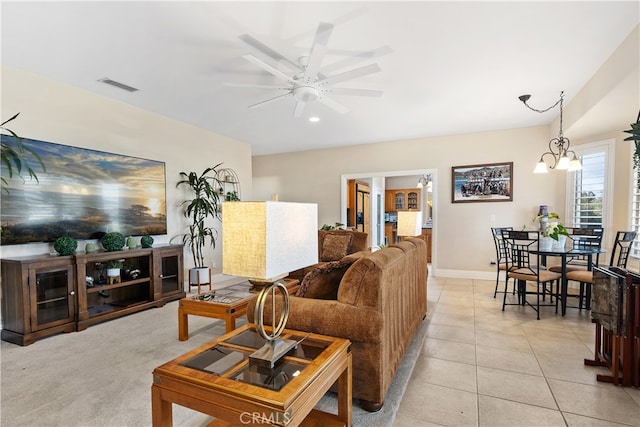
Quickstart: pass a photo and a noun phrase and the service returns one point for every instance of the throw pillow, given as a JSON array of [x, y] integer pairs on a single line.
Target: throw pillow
[[323, 282], [335, 247]]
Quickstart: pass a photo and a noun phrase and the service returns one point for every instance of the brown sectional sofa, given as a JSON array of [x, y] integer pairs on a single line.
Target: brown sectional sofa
[[381, 301]]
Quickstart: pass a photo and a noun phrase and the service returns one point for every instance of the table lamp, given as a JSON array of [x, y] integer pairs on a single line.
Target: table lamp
[[409, 223], [264, 241]]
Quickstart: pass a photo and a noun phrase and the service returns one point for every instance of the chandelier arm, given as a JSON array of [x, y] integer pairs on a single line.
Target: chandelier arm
[[553, 156]]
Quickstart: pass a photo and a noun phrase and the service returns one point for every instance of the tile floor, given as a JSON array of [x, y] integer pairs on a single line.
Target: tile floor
[[481, 366]]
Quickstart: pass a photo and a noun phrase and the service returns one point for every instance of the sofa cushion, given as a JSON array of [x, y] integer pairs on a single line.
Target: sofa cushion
[[335, 247], [323, 281]]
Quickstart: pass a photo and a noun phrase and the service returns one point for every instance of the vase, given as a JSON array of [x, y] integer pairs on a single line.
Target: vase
[[560, 243], [545, 243]]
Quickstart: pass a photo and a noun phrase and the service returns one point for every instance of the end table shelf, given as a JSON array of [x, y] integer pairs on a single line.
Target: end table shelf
[[45, 295]]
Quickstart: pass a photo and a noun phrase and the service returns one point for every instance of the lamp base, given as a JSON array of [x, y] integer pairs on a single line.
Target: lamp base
[[272, 351], [258, 284]]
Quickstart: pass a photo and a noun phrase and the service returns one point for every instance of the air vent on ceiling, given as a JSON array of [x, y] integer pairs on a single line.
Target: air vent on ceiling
[[123, 86]]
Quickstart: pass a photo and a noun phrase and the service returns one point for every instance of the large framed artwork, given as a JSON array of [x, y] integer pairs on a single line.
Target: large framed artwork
[[490, 182], [83, 194]]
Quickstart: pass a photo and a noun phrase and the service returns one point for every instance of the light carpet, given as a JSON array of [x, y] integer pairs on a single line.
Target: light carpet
[[102, 376]]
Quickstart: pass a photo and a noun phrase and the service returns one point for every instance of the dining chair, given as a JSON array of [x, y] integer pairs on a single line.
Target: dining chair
[[501, 255], [524, 267], [619, 257]]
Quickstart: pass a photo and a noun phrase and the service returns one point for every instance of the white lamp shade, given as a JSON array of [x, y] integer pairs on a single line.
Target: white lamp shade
[[564, 162], [266, 240], [409, 223], [575, 165], [541, 167]]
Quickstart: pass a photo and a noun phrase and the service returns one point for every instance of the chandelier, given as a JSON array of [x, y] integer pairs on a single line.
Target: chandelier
[[425, 181], [558, 147]]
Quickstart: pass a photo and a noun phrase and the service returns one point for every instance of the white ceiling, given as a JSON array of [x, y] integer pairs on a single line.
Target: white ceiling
[[455, 67]]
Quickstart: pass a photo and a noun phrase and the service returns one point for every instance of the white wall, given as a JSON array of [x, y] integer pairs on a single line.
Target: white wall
[[54, 112]]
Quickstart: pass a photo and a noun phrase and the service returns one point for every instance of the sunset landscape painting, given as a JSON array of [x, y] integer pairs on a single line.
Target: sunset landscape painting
[[83, 194]]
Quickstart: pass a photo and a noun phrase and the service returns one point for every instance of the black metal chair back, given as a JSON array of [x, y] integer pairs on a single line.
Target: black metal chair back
[[585, 238], [502, 254], [621, 248]]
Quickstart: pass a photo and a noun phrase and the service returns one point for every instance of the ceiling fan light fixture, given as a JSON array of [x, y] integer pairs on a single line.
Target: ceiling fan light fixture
[[305, 93]]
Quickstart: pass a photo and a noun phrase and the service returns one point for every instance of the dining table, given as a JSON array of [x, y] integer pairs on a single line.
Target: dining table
[[564, 254]]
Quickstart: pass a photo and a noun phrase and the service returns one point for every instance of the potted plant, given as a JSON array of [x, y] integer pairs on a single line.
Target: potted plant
[[112, 241], [203, 205], [65, 245], [113, 267], [553, 230], [635, 137]]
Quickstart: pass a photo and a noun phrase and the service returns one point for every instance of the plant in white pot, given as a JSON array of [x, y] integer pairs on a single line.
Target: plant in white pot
[[203, 206]]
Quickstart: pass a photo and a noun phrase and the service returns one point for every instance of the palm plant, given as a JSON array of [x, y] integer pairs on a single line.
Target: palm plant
[[205, 203], [635, 137], [13, 157]]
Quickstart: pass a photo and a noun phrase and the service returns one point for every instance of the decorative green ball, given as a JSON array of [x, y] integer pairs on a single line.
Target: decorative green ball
[[146, 241], [65, 245], [90, 248], [113, 241]]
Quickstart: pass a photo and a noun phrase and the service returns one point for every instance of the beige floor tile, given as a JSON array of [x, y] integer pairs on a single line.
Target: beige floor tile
[[574, 420], [500, 412], [450, 350], [460, 376], [457, 299], [523, 388], [634, 393], [568, 367], [461, 320], [453, 309], [507, 360], [607, 402], [451, 333], [560, 346], [439, 405], [406, 420], [502, 340]]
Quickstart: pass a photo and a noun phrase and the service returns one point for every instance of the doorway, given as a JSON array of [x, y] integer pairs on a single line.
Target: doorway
[[376, 182]]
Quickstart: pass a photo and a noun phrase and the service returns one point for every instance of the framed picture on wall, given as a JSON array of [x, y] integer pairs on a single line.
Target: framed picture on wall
[[490, 182]]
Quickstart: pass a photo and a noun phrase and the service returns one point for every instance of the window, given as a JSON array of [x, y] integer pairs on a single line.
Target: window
[[588, 189], [635, 213]]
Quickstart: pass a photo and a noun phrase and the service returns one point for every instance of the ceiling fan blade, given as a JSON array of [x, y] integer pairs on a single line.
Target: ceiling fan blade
[[299, 109], [256, 86], [351, 74], [333, 104], [318, 50], [354, 58], [353, 92], [268, 51], [268, 68], [267, 101]]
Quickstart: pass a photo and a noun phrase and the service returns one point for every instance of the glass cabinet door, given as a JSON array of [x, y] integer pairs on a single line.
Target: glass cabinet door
[[169, 275], [52, 297]]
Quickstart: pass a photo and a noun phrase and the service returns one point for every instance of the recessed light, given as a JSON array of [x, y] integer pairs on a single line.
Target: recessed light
[[314, 119]]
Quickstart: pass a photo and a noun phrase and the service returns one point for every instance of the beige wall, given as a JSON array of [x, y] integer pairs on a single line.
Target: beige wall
[[55, 112]]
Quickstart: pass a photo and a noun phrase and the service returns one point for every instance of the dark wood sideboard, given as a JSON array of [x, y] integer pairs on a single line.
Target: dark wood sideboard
[[44, 294]]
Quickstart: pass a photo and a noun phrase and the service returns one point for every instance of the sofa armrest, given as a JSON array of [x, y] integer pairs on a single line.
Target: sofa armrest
[[328, 317]]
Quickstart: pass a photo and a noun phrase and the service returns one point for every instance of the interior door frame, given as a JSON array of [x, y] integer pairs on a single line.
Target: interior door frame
[[373, 226]]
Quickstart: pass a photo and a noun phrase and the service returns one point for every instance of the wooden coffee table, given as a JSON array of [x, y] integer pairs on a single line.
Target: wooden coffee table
[[227, 304], [218, 379]]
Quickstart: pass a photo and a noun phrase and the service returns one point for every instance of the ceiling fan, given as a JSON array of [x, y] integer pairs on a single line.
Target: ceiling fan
[[307, 83]]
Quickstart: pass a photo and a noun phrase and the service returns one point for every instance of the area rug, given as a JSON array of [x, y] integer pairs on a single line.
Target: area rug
[[102, 376], [385, 416]]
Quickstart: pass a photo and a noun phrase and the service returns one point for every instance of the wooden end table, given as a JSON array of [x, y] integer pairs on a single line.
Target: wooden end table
[[218, 379], [227, 304]]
